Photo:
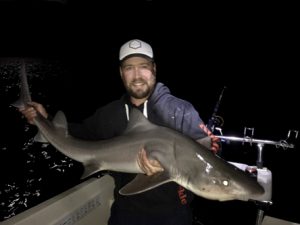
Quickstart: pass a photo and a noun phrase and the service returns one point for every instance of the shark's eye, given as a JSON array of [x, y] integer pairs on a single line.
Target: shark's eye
[[225, 182]]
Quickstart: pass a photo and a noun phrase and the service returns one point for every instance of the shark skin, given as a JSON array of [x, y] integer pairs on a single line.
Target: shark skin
[[185, 161]]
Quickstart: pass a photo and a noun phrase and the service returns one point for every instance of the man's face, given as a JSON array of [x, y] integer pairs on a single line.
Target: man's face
[[139, 76]]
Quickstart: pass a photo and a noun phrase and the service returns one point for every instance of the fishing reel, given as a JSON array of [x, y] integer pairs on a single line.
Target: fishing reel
[[215, 123]]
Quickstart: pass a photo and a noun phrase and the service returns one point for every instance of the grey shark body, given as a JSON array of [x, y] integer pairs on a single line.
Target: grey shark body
[[184, 160]]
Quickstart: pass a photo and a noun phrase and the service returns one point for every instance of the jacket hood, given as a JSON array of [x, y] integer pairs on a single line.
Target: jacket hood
[[160, 91]]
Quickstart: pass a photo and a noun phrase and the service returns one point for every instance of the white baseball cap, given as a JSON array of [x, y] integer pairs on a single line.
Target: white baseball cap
[[135, 46]]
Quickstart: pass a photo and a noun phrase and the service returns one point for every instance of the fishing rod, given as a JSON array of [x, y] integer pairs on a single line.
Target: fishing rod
[[215, 119]]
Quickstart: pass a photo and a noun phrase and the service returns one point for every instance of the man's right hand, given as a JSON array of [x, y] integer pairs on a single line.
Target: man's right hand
[[148, 166], [30, 111]]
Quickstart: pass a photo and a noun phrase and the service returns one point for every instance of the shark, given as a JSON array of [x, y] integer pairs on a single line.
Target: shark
[[184, 160]]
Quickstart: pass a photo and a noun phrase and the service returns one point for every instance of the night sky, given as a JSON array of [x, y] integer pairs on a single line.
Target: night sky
[[199, 49]]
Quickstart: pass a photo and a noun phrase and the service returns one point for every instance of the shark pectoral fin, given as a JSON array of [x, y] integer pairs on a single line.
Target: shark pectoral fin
[[89, 170], [40, 138], [143, 183]]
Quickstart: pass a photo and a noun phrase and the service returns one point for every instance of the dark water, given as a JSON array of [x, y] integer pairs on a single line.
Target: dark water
[[30, 172]]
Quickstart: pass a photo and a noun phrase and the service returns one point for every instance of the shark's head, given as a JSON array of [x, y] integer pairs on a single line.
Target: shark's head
[[213, 178]]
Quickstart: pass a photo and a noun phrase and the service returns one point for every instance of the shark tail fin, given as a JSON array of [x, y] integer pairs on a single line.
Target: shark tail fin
[[25, 96]]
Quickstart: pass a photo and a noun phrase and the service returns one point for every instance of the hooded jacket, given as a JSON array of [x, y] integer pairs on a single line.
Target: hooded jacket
[[162, 108]]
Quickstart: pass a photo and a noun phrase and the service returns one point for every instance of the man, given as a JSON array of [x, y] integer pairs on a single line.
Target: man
[[169, 203]]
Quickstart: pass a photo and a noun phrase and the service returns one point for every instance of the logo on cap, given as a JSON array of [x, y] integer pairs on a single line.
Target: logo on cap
[[135, 44]]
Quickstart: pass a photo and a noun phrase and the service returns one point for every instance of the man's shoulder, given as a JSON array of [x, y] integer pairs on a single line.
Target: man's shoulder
[[177, 102], [163, 95]]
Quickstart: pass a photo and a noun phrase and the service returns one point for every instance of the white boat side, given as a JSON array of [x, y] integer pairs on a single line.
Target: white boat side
[[88, 203]]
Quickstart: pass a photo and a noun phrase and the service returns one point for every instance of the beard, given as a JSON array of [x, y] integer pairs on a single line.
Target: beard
[[140, 91]]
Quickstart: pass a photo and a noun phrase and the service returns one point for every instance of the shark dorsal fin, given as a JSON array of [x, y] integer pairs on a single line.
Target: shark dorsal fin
[[138, 122], [143, 183], [60, 121]]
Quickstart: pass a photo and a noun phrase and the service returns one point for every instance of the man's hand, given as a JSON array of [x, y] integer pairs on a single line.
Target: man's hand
[[215, 147], [149, 166], [30, 111]]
